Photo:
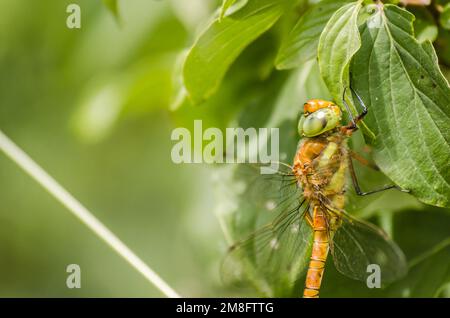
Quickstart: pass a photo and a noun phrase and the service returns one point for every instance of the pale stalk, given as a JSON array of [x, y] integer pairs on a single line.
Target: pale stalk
[[73, 205]]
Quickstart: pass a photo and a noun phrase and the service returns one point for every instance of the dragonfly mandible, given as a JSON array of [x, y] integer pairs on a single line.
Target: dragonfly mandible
[[310, 217]]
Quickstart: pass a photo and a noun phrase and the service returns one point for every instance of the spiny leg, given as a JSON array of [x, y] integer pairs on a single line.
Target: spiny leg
[[358, 188], [354, 121], [308, 219], [353, 127], [363, 160], [364, 107]]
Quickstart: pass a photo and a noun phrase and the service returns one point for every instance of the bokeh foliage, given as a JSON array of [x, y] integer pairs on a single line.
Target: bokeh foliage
[[91, 107], [373, 48], [96, 107]]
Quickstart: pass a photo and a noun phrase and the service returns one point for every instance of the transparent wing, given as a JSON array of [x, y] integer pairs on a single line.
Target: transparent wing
[[358, 244], [273, 257]]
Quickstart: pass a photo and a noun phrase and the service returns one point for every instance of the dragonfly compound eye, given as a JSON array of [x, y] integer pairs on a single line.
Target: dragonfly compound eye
[[319, 122]]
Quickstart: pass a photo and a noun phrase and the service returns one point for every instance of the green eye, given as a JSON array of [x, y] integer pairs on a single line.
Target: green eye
[[300, 125], [314, 124], [318, 122]]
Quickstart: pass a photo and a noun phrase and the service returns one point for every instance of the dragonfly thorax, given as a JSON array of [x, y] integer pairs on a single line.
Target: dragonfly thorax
[[320, 166]]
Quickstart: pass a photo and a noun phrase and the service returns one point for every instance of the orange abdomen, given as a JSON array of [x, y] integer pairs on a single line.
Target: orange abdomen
[[318, 256]]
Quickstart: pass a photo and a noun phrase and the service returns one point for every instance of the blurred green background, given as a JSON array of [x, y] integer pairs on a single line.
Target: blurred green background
[[93, 107]]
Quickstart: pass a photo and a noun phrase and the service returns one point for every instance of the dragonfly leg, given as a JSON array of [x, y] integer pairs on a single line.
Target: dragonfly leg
[[354, 121], [363, 160], [358, 188], [308, 219]]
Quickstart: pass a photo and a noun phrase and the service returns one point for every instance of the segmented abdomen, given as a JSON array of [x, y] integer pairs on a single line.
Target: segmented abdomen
[[318, 256]]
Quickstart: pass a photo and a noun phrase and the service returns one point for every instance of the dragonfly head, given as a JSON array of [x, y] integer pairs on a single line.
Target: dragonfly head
[[319, 116]]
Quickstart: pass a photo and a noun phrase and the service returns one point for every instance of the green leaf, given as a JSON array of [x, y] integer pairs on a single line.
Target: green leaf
[[338, 43], [428, 275], [112, 6], [227, 4], [444, 18], [242, 88], [179, 93], [409, 105], [223, 41], [301, 43]]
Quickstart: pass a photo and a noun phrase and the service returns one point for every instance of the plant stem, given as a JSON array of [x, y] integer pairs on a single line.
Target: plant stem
[[73, 205]]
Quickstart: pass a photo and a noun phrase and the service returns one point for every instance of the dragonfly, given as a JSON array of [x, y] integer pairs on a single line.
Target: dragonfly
[[308, 219]]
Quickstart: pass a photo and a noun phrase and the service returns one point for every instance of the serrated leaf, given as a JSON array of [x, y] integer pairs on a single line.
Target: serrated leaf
[[301, 43], [222, 42], [409, 105], [338, 43]]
